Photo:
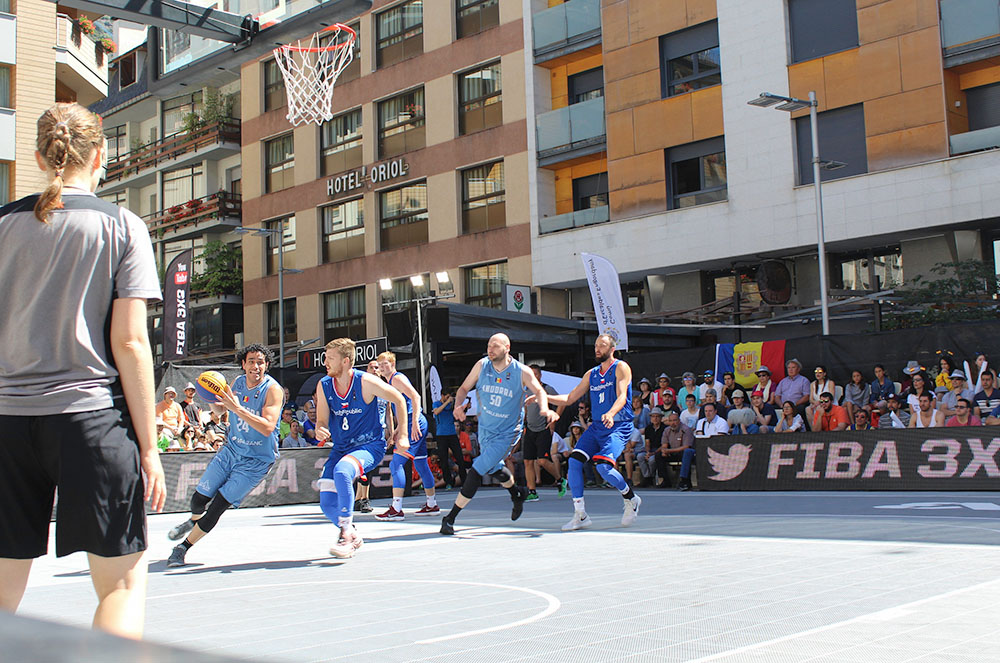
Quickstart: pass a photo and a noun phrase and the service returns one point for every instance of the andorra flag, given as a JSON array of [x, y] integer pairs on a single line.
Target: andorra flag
[[743, 359]]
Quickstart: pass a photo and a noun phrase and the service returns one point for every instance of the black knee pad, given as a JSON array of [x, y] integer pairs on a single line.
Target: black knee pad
[[580, 456], [198, 503], [603, 461], [473, 480], [215, 511], [503, 475], [364, 480]]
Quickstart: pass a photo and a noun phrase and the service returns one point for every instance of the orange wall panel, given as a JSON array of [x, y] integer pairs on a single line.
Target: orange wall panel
[[981, 76], [636, 59], [638, 201], [565, 177], [920, 58], [632, 91], [648, 19], [663, 124], [909, 146], [559, 77], [620, 133], [895, 17], [842, 74], [906, 110], [638, 170], [706, 113], [614, 26], [958, 115], [880, 62], [699, 11]]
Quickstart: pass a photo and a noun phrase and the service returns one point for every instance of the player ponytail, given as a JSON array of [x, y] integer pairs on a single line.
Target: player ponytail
[[67, 137]]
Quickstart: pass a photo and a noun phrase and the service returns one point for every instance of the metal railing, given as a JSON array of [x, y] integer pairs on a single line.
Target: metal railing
[[211, 208], [153, 154]]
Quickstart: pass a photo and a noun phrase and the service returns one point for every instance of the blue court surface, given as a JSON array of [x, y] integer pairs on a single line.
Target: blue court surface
[[775, 577]]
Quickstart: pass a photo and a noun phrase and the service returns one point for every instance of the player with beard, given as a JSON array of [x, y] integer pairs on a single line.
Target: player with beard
[[350, 411], [500, 382], [251, 448], [610, 387]]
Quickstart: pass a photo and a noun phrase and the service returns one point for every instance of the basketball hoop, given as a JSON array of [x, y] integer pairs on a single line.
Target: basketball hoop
[[310, 69]]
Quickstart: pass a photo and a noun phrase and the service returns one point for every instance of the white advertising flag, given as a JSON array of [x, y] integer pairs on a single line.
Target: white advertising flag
[[606, 291]]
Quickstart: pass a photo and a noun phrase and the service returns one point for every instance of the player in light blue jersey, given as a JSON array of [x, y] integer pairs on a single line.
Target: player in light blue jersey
[[350, 413], [610, 387], [251, 448], [501, 383]]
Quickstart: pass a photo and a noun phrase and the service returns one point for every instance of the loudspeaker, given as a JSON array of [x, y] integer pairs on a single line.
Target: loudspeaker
[[436, 321], [398, 328]]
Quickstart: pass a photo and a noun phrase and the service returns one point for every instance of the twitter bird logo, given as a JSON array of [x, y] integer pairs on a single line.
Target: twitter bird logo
[[731, 465]]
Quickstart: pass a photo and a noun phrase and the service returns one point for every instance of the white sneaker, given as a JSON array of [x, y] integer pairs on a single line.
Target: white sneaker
[[346, 547], [580, 521], [631, 511]]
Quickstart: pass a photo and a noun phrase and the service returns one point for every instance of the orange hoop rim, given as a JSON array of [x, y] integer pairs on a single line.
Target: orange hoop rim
[[321, 49]]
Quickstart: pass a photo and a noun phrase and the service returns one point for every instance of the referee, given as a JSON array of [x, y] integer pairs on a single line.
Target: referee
[[76, 376]]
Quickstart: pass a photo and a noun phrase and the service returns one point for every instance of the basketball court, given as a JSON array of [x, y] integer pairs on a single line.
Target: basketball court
[[701, 577]]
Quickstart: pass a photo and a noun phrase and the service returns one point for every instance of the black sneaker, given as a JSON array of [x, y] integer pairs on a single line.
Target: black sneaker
[[177, 557], [518, 500], [447, 527], [180, 531], [684, 485], [364, 506]]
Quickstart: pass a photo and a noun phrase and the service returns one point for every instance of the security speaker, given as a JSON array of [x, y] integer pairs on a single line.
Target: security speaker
[[436, 322], [398, 328]]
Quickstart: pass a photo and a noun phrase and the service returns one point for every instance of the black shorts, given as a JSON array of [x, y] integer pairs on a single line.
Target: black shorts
[[93, 459], [536, 445]]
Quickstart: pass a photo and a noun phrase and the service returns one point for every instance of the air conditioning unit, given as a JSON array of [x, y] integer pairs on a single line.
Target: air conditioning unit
[[238, 340]]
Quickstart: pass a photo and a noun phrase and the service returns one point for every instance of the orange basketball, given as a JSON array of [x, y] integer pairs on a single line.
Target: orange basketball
[[210, 385]]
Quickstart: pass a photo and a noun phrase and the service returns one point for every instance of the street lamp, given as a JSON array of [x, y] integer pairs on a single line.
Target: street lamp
[[791, 104], [271, 232]]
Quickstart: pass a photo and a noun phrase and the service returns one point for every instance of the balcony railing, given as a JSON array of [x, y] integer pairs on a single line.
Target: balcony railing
[[975, 141], [578, 219], [565, 27], [199, 212], [570, 128], [83, 55], [171, 147], [968, 21]]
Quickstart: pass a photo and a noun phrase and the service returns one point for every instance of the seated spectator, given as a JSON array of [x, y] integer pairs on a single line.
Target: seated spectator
[[677, 439], [187, 437], [640, 413], [894, 415], [764, 413], [192, 411], [688, 388], [170, 412], [285, 423], [635, 451], [994, 417], [793, 387], [691, 414], [583, 414], [862, 420], [920, 384], [465, 442], [741, 418], [988, 399], [710, 425], [712, 396], [163, 438], [309, 425], [821, 385], [653, 437], [669, 403], [294, 439], [214, 428], [764, 384], [662, 389], [728, 387], [946, 366], [959, 389], [927, 416], [880, 389], [646, 392], [202, 443], [963, 414], [830, 416], [791, 420], [709, 382], [857, 394]]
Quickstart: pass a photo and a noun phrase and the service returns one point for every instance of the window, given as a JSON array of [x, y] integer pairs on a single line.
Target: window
[[5, 6], [590, 192], [401, 124], [474, 16], [341, 142], [484, 284], [483, 206], [279, 163], [343, 231], [404, 216], [983, 104], [127, 70], [353, 70], [344, 314], [5, 182], [174, 248], [632, 297], [690, 59], [6, 93], [873, 270], [274, 87], [480, 105], [271, 242], [841, 138], [400, 33], [821, 27], [697, 173], [116, 198], [176, 109], [117, 141], [722, 285], [181, 185], [586, 85], [291, 335]]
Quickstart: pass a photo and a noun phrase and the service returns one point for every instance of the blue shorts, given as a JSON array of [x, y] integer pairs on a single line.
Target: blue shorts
[[417, 449], [600, 443], [493, 449], [232, 476], [366, 459]]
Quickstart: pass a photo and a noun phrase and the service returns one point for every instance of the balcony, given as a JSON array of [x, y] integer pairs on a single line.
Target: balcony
[[217, 212], [975, 141], [970, 30], [566, 28], [570, 132], [138, 167], [578, 219], [7, 134], [8, 38], [81, 64]]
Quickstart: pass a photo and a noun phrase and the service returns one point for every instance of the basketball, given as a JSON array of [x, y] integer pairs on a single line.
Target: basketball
[[209, 385]]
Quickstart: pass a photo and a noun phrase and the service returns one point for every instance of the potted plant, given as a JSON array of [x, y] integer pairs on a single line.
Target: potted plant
[[194, 203], [176, 209], [86, 25], [107, 44]]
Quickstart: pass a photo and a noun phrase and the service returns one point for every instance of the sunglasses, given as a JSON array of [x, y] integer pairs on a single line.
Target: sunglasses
[[826, 402], [961, 407]]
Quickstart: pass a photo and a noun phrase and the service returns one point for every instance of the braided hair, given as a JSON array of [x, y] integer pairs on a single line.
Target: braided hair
[[67, 136]]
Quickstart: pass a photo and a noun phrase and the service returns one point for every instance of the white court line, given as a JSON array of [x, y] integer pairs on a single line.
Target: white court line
[[873, 616], [553, 603]]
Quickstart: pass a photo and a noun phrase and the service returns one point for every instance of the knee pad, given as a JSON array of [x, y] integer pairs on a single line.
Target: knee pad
[[503, 475], [198, 503], [473, 480], [217, 507], [364, 480], [579, 455], [598, 462]]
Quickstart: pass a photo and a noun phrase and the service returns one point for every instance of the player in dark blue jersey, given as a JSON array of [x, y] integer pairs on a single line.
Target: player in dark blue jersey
[[610, 387], [350, 412]]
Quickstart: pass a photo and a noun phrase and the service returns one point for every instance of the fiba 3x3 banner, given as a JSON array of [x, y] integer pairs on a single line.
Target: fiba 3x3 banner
[[176, 295]]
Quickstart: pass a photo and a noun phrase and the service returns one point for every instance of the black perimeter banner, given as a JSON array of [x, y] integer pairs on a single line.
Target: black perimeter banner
[[884, 459], [176, 291]]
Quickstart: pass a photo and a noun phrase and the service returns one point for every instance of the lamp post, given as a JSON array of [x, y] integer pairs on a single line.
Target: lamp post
[[791, 104]]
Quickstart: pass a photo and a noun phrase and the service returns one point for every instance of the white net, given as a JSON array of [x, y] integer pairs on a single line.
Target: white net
[[310, 69]]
